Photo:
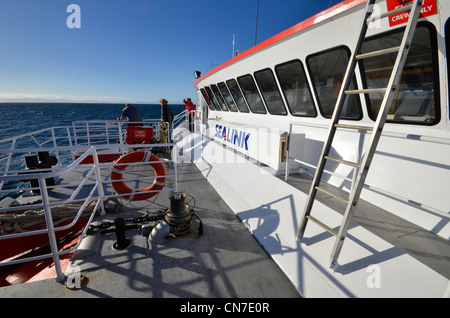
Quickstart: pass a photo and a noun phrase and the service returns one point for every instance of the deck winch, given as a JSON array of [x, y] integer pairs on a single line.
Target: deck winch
[[175, 221], [179, 216]]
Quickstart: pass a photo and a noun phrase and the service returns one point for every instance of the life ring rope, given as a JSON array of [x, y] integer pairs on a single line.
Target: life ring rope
[[138, 194]]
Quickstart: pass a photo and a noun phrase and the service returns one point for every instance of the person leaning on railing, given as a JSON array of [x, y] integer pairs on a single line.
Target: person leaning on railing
[[132, 113]]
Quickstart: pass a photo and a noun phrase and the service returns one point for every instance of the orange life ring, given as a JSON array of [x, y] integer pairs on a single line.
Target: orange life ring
[[138, 156]]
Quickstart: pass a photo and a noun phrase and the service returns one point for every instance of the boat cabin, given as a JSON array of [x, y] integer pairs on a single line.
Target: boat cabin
[[273, 104]]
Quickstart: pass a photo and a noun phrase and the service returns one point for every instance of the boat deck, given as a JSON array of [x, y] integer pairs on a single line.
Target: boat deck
[[225, 262], [249, 247], [383, 256], [425, 246]]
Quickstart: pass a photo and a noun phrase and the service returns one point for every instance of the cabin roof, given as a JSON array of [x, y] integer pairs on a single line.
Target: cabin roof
[[330, 12]]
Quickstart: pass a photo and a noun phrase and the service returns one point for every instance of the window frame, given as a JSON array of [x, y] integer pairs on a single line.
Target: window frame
[[447, 44], [219, 97], [436, 81], [238, 105], [307, 86], [223, 87], [262, 92], [212, 98], [207, 99], [257, 92], [319, 104]]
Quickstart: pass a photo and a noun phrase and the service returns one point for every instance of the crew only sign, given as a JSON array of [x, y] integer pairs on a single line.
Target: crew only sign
[[429, 7]]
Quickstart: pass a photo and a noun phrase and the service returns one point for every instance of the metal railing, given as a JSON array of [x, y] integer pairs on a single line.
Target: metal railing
[[95, 183], [46, 205], [386, 133], [182, 119], [91, 132], [407, 201], [81, 133]]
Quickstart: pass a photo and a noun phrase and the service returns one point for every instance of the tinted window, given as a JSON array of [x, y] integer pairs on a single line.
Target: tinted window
[[251, 94], [206, 97], [271, 94], [212, 98], [219, 97], [417, 96], [327, 70], [226, 95], [447, 43], [294, 86], [237, 95]]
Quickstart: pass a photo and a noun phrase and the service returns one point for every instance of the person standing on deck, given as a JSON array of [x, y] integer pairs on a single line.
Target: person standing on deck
[[166, 116], [190, 107], [166, 112], [132, 113]]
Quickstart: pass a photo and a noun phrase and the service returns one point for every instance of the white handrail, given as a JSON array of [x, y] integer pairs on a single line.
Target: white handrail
[[369, 187], [30, 134], [94, 170], [50, 230], [178, 119]]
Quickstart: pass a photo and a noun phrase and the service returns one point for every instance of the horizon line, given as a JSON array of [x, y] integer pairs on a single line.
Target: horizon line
[[57, 98], [82, 102]]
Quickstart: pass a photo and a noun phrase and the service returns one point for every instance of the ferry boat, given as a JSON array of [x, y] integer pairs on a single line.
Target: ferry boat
[[273, 105], [329, 142]]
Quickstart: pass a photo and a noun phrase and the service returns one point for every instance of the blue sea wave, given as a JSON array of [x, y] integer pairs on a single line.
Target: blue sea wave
[[21, 118]]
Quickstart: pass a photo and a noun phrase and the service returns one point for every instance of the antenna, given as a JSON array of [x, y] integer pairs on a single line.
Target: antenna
[[234, 36], [257, 14]]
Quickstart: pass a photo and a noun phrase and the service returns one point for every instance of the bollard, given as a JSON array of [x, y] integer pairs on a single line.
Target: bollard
[[122, 241]]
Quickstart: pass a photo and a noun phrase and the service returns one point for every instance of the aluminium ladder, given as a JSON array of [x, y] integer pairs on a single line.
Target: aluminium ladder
[[376, 130]]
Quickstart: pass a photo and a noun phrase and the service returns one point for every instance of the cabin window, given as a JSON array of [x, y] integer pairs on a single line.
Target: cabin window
[[226, 95], [294, 86], [251, 94], [212, 98], [417, 97], [206, 97], [202, 107], [447, 43], [237, 96], [270, 92], [327, 70], [219, 98]]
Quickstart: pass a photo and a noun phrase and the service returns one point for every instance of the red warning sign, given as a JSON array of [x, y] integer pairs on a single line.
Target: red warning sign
[[429, 7]]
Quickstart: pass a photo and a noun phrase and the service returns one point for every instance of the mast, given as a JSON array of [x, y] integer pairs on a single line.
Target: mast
[[256, 28]]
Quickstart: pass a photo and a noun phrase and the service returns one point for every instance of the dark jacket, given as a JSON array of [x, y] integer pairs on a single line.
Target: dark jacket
[[133, 114], [166, 114]]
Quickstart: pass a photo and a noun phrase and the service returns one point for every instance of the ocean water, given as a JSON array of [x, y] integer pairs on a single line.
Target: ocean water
[[21, 118]]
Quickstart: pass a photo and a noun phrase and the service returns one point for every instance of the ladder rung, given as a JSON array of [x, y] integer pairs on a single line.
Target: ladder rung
[[389, 13], [339, 197], [378, 53], [366, 91], [356, 127], [349, 163], [324, 226]]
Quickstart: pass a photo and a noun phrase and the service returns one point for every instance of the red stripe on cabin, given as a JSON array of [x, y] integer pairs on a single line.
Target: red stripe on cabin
[[339, 8]]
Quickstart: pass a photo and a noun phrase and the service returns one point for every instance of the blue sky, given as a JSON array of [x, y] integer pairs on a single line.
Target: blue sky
[[129, 50]]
